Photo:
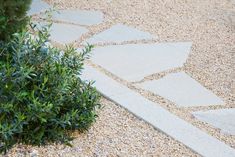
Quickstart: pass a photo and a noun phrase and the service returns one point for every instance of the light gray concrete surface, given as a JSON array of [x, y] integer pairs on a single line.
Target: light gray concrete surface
[[183, 90], [38, 6], [157, 116], [66, 33], [133, 62], [223, 119], [82, 17], [118, 33]]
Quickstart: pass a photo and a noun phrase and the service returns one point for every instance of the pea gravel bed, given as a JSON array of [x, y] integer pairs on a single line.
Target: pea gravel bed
[[116, 133], [208, 24]]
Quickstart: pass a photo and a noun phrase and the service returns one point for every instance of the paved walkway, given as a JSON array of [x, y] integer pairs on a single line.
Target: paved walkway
[[128, 65]]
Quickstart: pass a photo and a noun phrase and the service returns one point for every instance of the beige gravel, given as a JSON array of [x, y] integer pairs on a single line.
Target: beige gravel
[[209, 24], [116, 133]]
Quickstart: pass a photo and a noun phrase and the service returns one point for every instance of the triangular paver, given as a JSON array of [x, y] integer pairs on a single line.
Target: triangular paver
[[117, 34], [183, 90], [37, 7], [82, 17], [223, 119], [132, 62]]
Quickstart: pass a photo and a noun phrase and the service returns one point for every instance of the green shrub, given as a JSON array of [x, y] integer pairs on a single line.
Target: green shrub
[[12, 16], [41, 94]]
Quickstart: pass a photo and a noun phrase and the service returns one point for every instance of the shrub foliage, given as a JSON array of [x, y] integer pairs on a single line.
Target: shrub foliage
[[12, 17], [41, 94]]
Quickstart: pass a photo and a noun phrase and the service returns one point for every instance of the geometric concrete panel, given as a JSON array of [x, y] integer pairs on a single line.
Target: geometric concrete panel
[[66, 33], [157, 116], [119, 33], [38, 6], [81, 17], [223, 119], [133, 62], [183, 90]]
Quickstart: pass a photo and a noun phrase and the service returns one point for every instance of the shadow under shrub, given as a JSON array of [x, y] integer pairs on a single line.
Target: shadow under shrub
[[41, 94]]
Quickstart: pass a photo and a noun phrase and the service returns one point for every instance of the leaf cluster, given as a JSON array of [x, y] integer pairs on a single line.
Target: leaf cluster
[[12, 17]]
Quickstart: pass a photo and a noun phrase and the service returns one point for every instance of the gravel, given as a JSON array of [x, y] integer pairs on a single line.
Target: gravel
[[209, 24]]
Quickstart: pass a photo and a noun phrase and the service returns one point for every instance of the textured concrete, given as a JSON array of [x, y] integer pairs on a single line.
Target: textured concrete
[[223, 119], [38, 6], [119, 33], [157, 116], [182, 90], [133, 62], [66, 33], [81, 17]]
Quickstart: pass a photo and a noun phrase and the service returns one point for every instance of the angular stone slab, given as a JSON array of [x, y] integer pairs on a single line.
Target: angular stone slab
[[182, 90], [62, 33], [119, 33], [37, 7], [82, 17], [223, 119], [133, 62], [157, 116], [66, 33]]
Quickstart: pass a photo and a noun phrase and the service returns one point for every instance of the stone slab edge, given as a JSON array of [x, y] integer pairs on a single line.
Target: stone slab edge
[[157, 116]]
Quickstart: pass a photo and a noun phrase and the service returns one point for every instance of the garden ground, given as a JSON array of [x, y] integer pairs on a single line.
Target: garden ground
[[209, 26]]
